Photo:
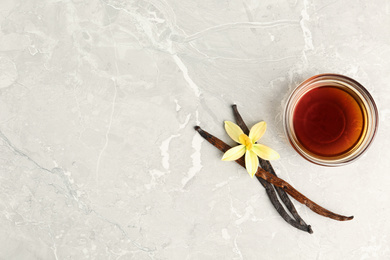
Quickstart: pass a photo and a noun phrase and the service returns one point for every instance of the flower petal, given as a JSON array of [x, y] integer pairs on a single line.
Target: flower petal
[[234, 153], [257, 131], [265, 152], [251, 162], [233, 130]]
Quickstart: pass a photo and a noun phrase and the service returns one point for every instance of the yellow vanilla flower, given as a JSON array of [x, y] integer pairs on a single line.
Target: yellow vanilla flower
[[248, 146]]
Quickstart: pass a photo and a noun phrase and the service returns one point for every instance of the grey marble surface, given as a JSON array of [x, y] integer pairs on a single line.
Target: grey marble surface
[[98, 155]]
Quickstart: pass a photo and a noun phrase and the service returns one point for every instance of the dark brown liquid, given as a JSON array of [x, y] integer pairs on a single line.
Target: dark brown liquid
[[328, 121]]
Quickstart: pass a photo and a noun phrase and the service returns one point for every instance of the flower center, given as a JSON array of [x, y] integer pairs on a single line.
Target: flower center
[[245, 140]]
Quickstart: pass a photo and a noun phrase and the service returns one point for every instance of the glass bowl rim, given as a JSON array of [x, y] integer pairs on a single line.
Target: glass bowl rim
[[370, 106]]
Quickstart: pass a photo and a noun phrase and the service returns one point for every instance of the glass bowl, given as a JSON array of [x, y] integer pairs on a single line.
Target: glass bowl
[[330, 119]]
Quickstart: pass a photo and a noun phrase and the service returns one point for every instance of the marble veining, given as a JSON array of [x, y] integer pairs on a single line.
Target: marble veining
[[99, 158]]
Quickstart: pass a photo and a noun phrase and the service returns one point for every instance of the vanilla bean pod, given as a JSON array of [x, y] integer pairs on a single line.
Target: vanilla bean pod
[[268, 187], [279, 207], [223, 147], [266, 165]]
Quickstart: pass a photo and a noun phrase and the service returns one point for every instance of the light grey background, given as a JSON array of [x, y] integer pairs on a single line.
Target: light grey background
[[98, 155]]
